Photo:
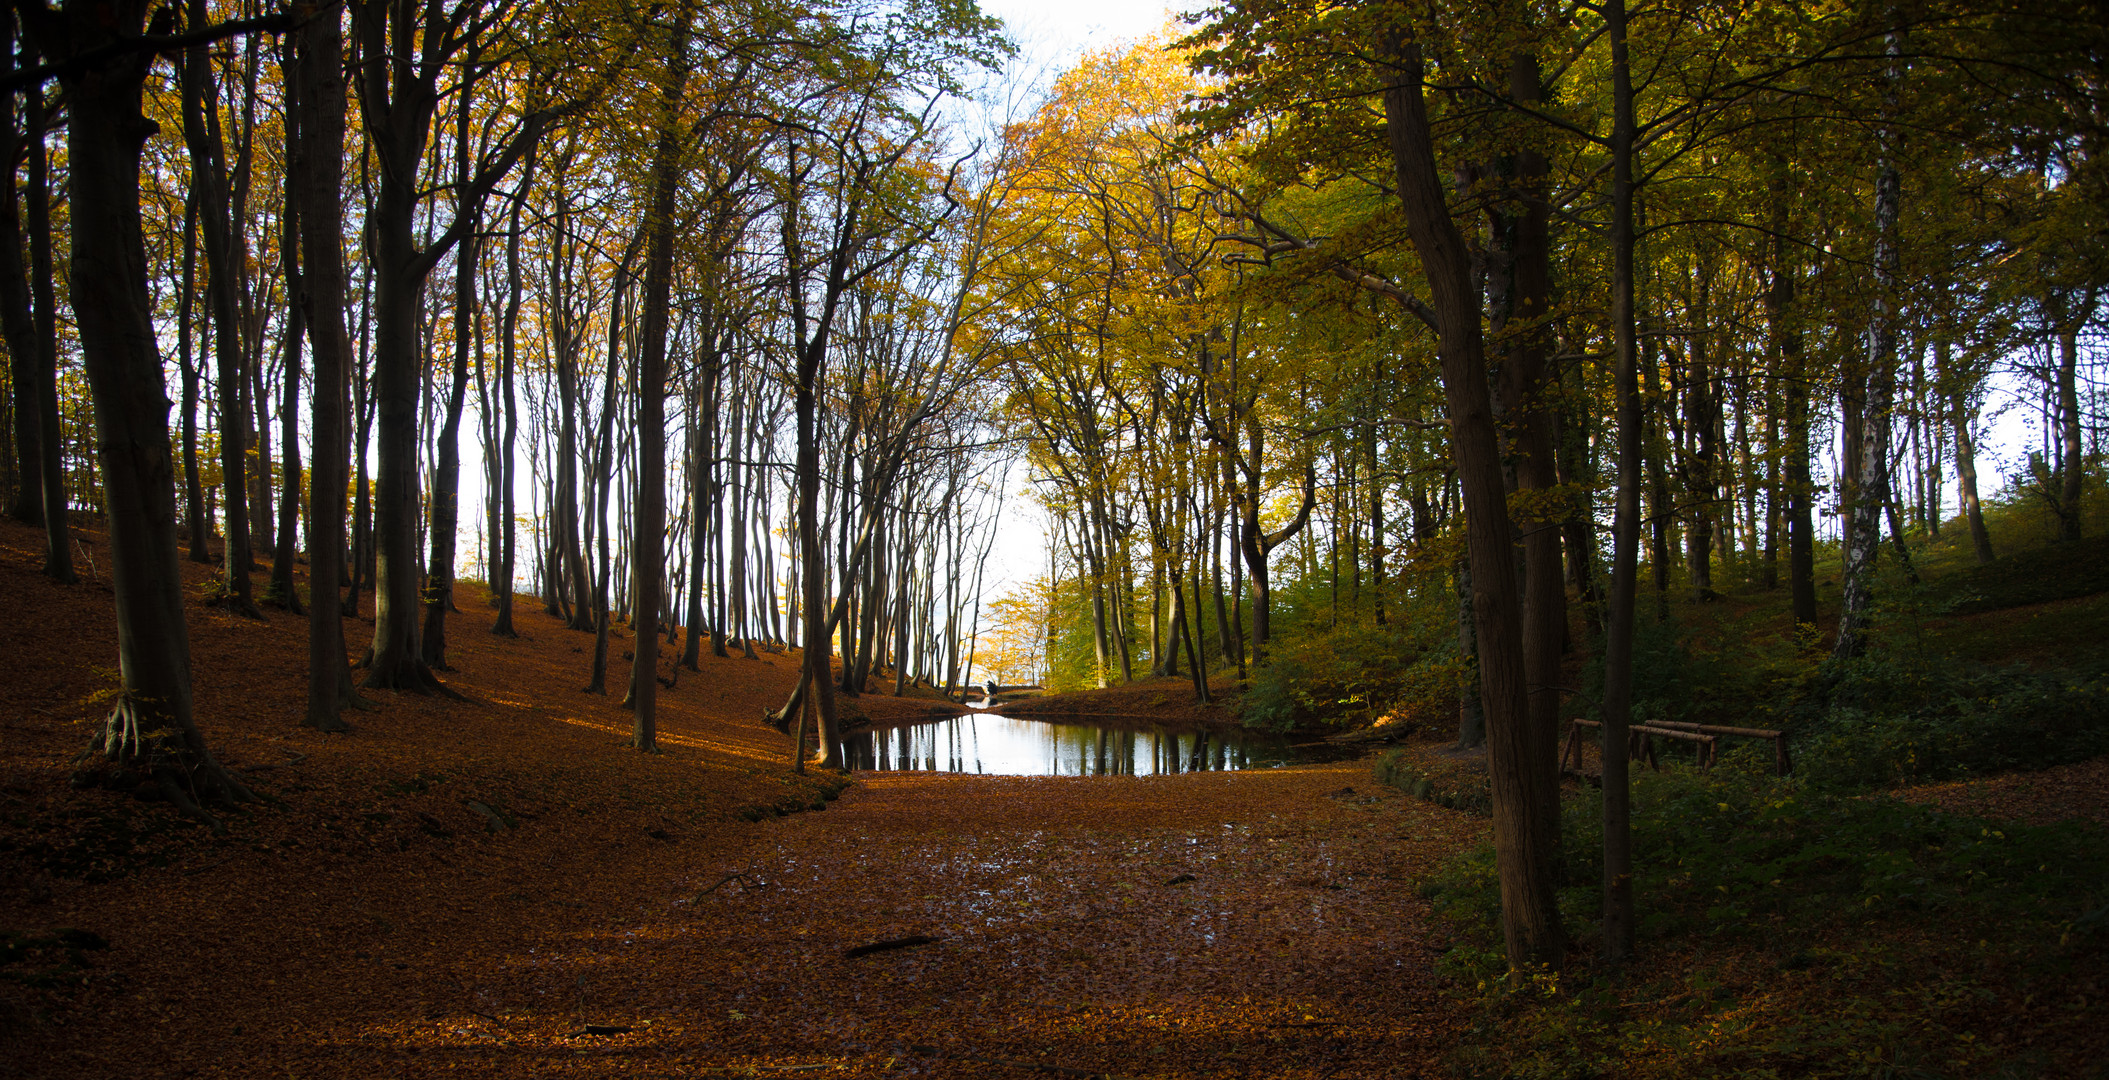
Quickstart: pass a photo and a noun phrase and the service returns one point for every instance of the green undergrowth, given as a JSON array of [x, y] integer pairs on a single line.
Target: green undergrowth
[[1353, 673], [2055, 572], [1786, 929], [1889, 719]]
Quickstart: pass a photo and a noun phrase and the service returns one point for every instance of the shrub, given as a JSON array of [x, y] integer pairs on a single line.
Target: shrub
[[1828, 927], [1889, 720], [1350, 674], [1721, 678]]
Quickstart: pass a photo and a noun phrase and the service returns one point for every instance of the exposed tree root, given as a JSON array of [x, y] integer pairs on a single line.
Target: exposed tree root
[[411, 676], [142, 742]]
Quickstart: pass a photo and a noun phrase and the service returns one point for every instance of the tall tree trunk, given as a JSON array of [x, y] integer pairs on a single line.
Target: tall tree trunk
[[703, 423], [1702, 484], [741, 426], [392, 659], [1966, 467], [1258, 544], [1800, 484], [647, 552], [195, 514], [16, 319], [508, 442], [446, 473], [400, 64], [1526, 370], [222, 294], [31, 325], [151, 731], [363, 409], [1868, 491], [1625, 543], [317, 174], [604, 470], [1577, 465], [2073, 476], [1471, 707], [1662, 513], [58, 554], [1523, 776], [281, 589]]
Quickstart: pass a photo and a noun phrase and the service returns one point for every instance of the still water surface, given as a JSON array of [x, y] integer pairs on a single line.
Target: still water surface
[[996, 745]]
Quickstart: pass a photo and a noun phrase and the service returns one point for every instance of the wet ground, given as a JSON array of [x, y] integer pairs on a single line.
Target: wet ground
[[992, 744], [1249, 924]]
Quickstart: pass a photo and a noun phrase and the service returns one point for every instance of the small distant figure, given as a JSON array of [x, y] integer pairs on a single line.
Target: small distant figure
[[988, 693]]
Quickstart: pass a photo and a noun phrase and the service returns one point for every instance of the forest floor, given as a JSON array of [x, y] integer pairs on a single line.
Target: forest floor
[[670, 914], [685, 913]]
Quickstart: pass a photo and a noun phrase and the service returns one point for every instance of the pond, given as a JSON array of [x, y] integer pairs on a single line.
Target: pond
[[994, 745]]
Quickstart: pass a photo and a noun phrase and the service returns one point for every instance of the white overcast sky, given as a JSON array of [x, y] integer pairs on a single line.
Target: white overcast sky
[[1054, 32]]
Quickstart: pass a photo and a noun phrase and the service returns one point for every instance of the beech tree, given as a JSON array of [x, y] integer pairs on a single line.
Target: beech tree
[[103, 53], [28, 320], [403, 51]]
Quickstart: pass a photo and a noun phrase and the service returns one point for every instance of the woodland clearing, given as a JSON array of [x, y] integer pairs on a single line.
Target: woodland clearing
[[370, 921]]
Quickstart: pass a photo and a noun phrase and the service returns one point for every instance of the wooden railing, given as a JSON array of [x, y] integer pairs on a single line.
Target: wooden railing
[[1640, 745]]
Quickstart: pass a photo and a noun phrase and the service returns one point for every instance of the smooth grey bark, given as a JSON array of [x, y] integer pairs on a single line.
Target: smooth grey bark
[[317, 175]]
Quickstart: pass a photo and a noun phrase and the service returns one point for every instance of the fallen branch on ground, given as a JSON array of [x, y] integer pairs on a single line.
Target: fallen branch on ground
[[884, 946]]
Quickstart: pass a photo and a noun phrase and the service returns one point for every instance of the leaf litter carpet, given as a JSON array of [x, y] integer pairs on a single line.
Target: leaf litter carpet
[[499, 888]]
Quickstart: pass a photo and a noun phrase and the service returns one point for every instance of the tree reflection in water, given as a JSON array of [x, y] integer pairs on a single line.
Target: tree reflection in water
[[995, 745]]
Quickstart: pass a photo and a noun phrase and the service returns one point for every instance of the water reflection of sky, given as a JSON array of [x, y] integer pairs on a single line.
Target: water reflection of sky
[[1000, 746]]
